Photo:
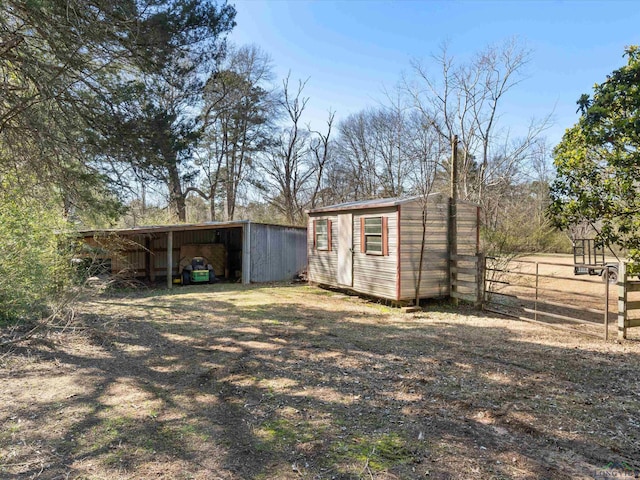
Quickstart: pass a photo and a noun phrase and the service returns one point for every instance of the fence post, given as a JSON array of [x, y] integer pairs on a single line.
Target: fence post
[[622, 302], [535, 305], [480, 269], [606, 303]]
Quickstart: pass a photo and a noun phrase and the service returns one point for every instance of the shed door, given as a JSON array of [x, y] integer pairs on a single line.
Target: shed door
[[345, 249]]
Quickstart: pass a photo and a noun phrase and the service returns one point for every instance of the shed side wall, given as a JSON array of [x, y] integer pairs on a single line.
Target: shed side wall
[[323, 264], [277, 253], [467, 223], [434, 281], [376, 275]]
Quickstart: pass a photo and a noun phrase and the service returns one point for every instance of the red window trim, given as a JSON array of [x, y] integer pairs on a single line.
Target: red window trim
[[385, 236], [314, 233]]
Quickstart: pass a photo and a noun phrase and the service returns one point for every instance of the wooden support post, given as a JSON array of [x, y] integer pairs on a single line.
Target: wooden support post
[[622, 302], [535, 304], [606, 303], [481, 267], [453, 224], [169, 259], [453, 251]]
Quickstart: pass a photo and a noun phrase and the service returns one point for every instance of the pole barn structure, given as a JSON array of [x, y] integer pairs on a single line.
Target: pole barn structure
[[374, 247], [238, 251]]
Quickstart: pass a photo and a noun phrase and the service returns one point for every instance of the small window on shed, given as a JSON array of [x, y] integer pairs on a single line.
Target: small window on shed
[[373, 236], [322, 234]]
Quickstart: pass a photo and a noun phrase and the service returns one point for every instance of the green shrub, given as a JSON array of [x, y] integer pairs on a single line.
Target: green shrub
[[35, 258]]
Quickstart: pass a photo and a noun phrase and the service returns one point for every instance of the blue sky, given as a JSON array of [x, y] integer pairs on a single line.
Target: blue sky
[[352, 51]]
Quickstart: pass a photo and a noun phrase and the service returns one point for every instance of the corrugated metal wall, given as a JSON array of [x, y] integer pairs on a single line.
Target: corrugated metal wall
[[277, 253], [130, 254]]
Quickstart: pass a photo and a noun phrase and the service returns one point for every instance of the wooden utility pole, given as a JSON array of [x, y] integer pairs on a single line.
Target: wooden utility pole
[[452, 223], [454, 168]]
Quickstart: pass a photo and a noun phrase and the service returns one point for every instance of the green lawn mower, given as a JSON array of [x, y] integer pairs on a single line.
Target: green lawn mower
[[199, 270]]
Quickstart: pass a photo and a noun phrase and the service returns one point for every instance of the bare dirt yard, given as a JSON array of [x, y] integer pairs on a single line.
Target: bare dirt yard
[[581, 297], [294, 382]]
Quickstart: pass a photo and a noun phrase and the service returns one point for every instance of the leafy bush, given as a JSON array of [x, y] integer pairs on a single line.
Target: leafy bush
[[35, 266]]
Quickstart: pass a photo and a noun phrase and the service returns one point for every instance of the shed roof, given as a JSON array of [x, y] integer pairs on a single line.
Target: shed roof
[[361, 204], [377, 203], [180, 227]]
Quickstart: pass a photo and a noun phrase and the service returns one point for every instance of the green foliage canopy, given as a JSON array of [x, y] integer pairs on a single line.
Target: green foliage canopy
[[598, 161], [76, 74]]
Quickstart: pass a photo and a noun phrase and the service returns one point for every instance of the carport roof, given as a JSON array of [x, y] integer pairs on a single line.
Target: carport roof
[[180, 227]]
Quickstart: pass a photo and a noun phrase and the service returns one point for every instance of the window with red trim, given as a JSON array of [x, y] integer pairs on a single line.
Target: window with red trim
[[322, 235], [374, 236]]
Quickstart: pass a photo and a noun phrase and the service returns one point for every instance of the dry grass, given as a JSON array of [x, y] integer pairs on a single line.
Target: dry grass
[[230, 382], [581, 297]]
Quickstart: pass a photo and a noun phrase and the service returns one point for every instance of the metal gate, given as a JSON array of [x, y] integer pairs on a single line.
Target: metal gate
[[548, 292]]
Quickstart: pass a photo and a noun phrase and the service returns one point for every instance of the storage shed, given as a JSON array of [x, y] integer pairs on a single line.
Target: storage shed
[[373, 247], [239, 251]]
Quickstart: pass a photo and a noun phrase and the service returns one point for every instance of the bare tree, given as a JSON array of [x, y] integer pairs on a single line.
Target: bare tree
[[321, 150], [356, 149], [239, 114], [424, 152], [466, 100], [287, 165]]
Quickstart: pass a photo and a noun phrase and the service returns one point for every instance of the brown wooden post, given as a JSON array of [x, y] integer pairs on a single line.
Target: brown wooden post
[[622, 302], [170, 259], [480, 266], [453, 224], [535, 304], [606, 302]]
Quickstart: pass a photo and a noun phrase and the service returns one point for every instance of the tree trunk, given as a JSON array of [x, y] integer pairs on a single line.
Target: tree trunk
[[176, 195]]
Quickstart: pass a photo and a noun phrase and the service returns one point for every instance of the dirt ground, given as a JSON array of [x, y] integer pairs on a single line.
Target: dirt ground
[[294, 382], [581, 297]]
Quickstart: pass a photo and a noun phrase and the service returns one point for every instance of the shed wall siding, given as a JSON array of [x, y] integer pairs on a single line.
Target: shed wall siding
[[376, 275], [467, 222], [434, 281], [323, 264], [133, 258], [277, 253]]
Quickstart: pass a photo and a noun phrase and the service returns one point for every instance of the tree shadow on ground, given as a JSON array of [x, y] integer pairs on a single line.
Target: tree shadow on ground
[[316, 387]]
